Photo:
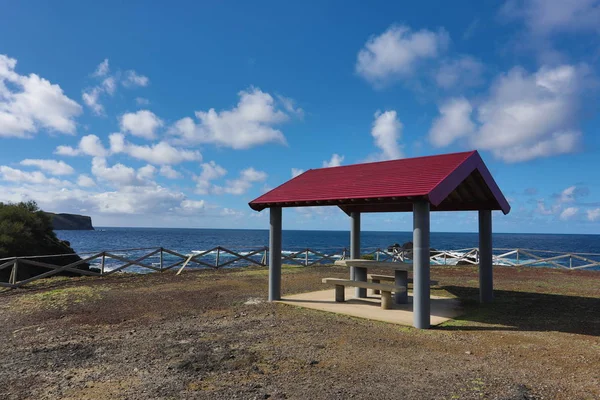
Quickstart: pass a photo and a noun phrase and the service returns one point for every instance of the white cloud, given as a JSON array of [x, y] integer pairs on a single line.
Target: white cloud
[[102, 69], [141, 101], [454, 122], [117, 174], [85, 181], [121, 175], [544, 17], [150, 200], [210, 171], [228, 212], [593, 215], [193, 205], [142, 123], [250, 123], [397, 52], [67, 151], [568, 195], [290, 106], [296, 172], [541, 208], [387, 131], [53, 167], [524, 116], [108, 84], [530, 116], [88, 145], [146, 172], [572, 193], [168, 172], [132, 78], [464, 71], [335, 161], [22, 177], [138, 200], [30, 103], [91, 98], [160, 153], [568, 213], [239, 186]]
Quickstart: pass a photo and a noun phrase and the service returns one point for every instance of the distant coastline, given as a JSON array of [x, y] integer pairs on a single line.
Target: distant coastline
[[71, 222]]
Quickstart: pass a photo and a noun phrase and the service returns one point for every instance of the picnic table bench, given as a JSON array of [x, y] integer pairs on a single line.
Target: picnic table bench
[[376, 278], [360, 274], [386, 290]]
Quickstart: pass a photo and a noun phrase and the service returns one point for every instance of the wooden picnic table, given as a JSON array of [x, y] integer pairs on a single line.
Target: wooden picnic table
[[360, 274]]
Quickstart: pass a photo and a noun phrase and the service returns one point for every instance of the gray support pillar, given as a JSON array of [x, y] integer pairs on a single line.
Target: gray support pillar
[[275, 254], [356, 273], [401, 279], [421, 263], [486, 277]]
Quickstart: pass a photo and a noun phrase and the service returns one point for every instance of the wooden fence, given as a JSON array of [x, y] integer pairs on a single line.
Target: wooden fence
[[161, 259]]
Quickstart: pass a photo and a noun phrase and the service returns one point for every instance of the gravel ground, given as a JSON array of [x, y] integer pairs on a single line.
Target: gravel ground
[[210, 334]]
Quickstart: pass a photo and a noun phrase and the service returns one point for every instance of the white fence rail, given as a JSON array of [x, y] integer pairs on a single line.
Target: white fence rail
[[144, 260]]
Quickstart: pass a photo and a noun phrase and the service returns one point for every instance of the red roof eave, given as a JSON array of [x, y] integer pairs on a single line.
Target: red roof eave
[[408, 172]]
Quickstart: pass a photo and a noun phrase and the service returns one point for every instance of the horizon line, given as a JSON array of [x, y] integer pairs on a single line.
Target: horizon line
[[329, 230]]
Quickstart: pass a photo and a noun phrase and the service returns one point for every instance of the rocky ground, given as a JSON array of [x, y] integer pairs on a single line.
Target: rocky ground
[[210, 334]]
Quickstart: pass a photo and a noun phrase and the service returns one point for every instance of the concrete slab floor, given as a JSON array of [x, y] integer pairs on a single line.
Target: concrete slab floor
[[442, 308]]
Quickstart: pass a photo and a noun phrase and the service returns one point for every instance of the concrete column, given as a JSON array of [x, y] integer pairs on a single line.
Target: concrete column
[[486, 275], [275, 254], [356, 273], [401, 279], [421, 300]]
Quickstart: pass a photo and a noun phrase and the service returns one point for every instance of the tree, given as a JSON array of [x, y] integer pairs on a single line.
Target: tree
[[25, 230]]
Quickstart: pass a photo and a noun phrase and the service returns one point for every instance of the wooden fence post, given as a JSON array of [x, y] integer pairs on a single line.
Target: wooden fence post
[[570, 261], [517, 256], [161, 259], [15, 270], [102, 263], [264, 258], [306, 258], [218, 257]]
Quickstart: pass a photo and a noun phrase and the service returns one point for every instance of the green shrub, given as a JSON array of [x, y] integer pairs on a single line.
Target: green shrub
[[24, 230]]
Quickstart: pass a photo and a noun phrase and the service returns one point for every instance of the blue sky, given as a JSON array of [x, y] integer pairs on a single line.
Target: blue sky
[[178, 114]]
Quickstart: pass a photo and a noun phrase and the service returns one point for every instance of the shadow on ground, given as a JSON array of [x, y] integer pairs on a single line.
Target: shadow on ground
[[526, 311]]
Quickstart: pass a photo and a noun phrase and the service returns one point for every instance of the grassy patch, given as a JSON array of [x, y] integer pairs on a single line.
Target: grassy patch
[[57, 298], [285, 269]]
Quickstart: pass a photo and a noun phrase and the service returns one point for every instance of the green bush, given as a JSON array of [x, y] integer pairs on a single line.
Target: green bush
[[24, 230], [367, 257]]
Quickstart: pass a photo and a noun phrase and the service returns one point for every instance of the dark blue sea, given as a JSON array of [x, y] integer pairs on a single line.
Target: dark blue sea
[[190, 241], [187, 240]]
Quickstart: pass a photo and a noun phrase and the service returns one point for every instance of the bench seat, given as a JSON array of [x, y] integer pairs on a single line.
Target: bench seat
[[375, 278], [386, 290]]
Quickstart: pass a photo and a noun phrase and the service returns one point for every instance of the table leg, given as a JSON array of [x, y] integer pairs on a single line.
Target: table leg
[[360, 274], [401, 279]]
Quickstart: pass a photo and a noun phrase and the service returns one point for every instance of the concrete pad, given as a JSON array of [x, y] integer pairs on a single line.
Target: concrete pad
[[442, 308]]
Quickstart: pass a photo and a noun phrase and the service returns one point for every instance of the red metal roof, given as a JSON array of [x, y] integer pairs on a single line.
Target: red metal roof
[[450, 182]]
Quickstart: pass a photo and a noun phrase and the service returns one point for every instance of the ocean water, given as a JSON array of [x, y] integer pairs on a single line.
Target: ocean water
[[190, 241]]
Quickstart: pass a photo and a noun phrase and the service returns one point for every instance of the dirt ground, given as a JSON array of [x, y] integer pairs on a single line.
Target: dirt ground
[[211, 335]]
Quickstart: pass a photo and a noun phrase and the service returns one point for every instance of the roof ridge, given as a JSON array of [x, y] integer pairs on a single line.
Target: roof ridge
[[396, 160]]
